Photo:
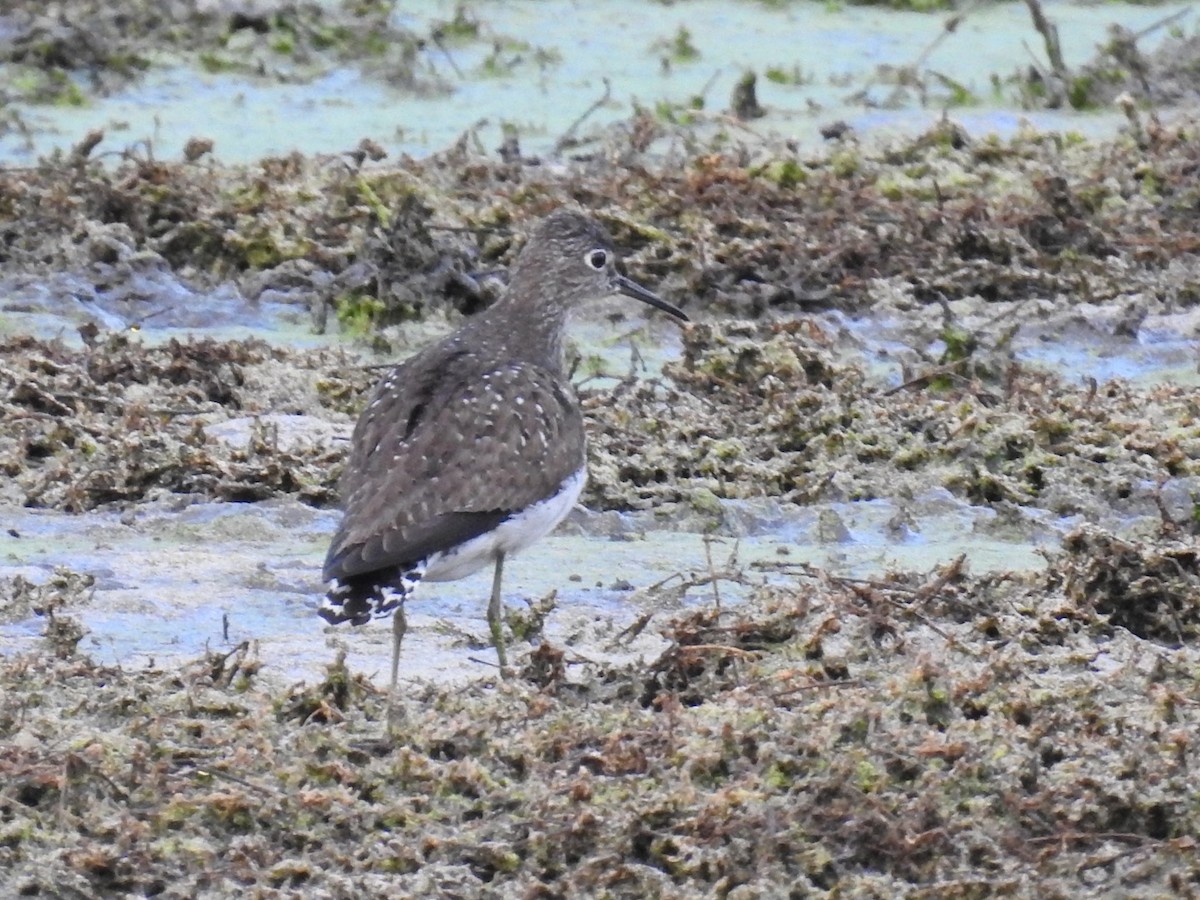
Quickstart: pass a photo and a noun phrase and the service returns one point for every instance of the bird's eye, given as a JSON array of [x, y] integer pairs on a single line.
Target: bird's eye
[[597, 259]]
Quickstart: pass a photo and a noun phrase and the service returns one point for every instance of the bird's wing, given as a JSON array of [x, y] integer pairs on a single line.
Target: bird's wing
[[438, 462]]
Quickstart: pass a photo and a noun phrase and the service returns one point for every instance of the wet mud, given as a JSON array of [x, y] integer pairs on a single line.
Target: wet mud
[[872, 325]]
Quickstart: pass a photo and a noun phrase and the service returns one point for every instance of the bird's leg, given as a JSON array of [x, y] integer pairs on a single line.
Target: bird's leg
[[496, 619], [399, 626]]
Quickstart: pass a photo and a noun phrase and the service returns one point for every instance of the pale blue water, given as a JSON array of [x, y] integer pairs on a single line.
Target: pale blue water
[[837, 49]]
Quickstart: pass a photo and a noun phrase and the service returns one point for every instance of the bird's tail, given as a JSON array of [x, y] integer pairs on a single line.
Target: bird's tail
[[360, 598]]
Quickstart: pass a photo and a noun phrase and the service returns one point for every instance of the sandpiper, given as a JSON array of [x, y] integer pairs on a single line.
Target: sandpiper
[[473, 448]]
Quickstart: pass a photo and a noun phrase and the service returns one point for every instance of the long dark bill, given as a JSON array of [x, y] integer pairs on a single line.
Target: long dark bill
[[631, 288]]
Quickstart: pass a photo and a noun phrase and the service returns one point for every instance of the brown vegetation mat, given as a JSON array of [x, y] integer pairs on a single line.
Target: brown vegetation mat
[[933, 736], [742, 232], [122, 422], [768, 410], [919, 735], [748, 411]]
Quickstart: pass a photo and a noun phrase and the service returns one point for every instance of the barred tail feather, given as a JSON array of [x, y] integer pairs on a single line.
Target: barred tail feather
[[357, 599]]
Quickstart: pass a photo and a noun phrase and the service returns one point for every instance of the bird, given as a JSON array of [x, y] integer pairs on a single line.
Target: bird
[[474, 448]]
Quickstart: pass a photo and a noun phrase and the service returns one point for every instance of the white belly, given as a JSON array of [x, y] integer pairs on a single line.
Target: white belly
[[511, 535]]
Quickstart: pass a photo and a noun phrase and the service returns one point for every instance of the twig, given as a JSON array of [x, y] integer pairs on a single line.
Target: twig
[[948, 28], [870, 591], [862, 594], [1049, 32], [948, 369], [436, 37], [718, 648], [663, 581], [1077, 836], [712, 572], [636, 628], [1161, 23], [933, 588], [216, 773], [568, 136], [816, 686]]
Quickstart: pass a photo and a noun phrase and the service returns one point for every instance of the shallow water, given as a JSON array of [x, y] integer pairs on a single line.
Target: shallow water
[[157, 305], [176, 582], [1164, 349], [845, 58]]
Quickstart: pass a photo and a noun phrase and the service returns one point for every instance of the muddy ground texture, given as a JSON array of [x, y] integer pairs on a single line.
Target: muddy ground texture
[[928, 734]]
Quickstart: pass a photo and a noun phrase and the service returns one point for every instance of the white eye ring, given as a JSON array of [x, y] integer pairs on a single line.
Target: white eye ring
[[596, 259]]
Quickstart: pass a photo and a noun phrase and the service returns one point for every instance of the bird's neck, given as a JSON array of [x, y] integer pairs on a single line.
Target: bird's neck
[[523, 330]]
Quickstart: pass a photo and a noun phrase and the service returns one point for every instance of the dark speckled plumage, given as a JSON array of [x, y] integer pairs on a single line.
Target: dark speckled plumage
[[461, 438]]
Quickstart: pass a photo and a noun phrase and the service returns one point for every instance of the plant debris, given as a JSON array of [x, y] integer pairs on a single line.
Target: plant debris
[[1002, 728], [914, 733]]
